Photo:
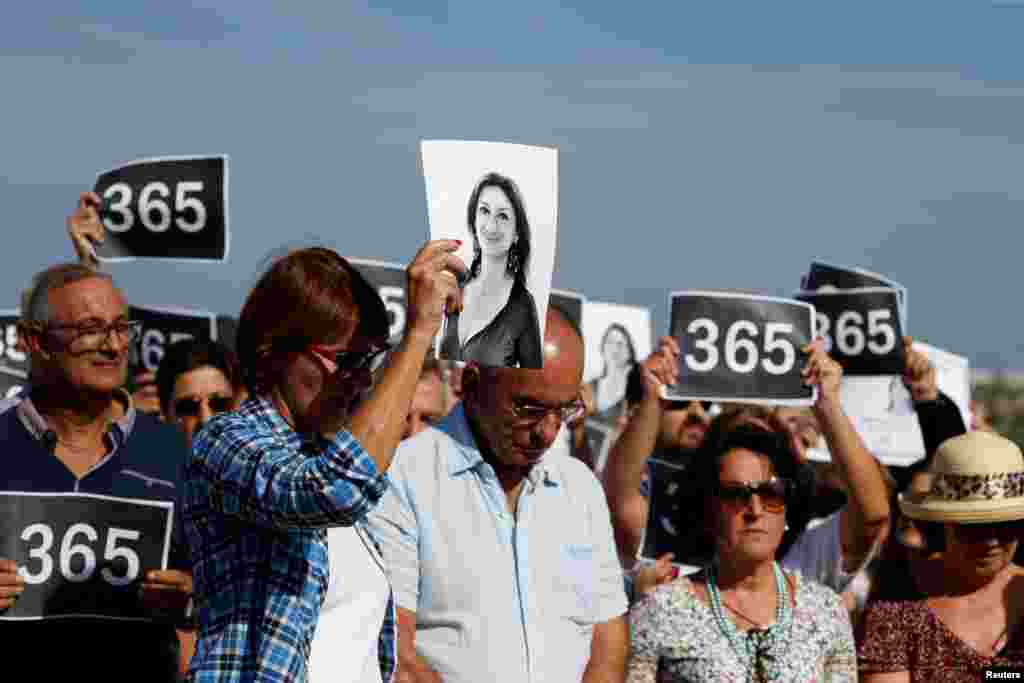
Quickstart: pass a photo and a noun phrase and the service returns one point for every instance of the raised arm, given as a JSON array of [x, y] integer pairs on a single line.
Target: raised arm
[[864, 520], [379, 421], [85, 228], [939, 417], [251, 474], [627, 460]]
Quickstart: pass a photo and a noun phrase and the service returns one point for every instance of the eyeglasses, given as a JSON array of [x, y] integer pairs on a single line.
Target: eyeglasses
[[772, 493], [190, 407], [707, 406], [93, 335], [350, 362], [534, 412]]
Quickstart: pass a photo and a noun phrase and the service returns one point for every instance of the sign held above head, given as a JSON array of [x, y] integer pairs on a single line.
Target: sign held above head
[[172, 208], [741, 348], [501, 201]]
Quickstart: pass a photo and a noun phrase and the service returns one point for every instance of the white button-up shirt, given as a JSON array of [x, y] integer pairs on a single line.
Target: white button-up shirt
[[498, 597]]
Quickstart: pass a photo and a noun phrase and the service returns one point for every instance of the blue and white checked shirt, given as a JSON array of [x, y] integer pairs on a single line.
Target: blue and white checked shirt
[[257, 501]]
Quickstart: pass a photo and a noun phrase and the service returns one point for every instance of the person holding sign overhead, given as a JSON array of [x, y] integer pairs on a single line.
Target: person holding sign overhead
[[309, 450], [77, 432], [498, 325]]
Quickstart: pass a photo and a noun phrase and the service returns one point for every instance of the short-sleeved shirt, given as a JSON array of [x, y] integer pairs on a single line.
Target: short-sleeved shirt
[[498, 597], [909, 636], [144, 462]]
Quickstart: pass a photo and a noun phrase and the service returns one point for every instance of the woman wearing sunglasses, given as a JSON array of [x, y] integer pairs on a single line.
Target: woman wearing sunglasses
[[742, 617], [196, 380], [971, 619], [307, 452]]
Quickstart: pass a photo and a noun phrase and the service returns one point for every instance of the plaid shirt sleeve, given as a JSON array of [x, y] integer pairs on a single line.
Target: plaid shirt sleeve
[[253, 473]]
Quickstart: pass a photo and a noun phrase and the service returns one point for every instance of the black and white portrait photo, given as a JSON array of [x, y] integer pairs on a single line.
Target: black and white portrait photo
[[506, 201], [616, 337]]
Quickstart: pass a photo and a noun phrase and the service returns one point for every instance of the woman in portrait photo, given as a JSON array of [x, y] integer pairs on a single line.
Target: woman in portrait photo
[[609, 389], [498, 325]]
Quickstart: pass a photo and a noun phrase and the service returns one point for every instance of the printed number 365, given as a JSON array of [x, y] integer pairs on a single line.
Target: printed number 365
[[741, 353], [152, 208], [70, 549]]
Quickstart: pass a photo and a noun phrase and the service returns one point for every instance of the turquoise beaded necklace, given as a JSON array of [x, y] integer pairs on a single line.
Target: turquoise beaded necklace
[[757, 643]]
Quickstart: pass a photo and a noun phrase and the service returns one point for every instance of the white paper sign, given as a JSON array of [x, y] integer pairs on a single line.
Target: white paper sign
[[501, 200]]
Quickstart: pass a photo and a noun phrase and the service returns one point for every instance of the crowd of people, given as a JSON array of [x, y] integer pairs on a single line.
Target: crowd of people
[[348, 509]]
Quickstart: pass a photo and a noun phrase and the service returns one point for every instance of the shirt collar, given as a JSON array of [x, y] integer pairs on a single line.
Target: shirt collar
[[119, 430], [467, 454]]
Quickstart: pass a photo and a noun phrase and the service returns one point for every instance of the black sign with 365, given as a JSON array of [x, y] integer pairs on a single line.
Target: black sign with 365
[[740, 347], [82, 554], [174, 208], [389, 281], [161, 327], [861, 328]]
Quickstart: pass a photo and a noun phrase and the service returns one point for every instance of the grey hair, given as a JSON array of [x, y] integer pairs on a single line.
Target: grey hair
[[35, 302]]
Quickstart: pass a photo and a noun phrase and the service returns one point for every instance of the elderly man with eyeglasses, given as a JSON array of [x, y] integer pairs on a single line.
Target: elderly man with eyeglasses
[[77, 431], [502, 557]]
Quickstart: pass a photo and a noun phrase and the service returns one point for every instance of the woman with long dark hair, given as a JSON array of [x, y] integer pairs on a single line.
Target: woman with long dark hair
[[498, 325]]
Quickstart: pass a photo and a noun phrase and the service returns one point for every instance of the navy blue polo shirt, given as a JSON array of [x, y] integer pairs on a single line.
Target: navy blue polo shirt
[[144, 461]]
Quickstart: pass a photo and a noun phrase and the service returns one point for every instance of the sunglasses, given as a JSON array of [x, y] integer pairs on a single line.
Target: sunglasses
[[707, 406], [190, 407], [351, 362], [772, 493]]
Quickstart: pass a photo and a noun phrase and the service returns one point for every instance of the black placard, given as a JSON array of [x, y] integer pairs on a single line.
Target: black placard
[[12, 356], [740, 347], [861, 328], [82, 554], [389, 281], [161, 327], [823, 277], [569, 303], [173, 208]]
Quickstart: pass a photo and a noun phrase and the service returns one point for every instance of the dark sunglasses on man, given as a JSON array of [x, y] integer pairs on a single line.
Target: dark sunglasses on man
[[772, 493], [707, 406], [190, 407]]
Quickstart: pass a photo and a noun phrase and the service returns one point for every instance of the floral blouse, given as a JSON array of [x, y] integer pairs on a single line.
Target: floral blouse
[[675, 639]]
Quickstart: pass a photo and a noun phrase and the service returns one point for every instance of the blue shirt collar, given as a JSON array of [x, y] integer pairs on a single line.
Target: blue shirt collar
[[466, 456]]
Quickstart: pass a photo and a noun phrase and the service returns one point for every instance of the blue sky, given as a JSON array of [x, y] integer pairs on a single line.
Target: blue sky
[[702, 145]]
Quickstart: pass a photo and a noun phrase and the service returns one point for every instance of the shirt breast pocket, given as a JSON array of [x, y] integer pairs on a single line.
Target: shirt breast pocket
[[576, 581]]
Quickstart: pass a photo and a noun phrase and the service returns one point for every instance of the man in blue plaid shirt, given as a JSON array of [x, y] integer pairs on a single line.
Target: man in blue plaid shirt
[[310, 450]]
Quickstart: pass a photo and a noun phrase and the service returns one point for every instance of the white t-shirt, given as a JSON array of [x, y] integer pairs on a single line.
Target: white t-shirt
[[345, 646]]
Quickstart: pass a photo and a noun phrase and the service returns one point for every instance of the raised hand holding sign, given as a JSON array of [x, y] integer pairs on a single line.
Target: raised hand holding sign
[[741, 347], [172, 208]]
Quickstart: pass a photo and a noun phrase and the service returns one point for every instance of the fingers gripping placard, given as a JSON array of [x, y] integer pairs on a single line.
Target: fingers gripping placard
[[740, 347], [861, 327], [81, 554], [171, 208]]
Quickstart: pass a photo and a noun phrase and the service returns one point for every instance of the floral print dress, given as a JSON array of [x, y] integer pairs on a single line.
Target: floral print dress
[[675, 639]]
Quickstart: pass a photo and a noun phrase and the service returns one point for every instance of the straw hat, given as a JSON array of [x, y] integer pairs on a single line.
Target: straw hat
[[979, 479]]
